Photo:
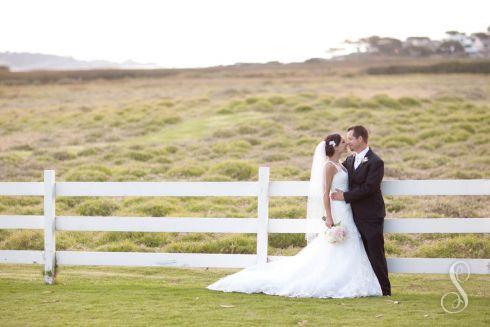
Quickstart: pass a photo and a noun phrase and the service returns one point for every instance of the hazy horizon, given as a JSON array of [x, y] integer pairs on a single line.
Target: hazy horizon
[[190, 33]]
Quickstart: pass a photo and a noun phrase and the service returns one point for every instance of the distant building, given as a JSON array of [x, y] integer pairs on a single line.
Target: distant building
[[471, 45], [482, 43], [418, 41], [455, 44], [420, 46]]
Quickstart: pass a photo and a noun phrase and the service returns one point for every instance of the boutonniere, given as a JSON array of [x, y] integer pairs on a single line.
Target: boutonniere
[[364, 159]]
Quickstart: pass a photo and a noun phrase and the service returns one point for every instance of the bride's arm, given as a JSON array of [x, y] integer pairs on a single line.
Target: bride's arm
[[330, 171]]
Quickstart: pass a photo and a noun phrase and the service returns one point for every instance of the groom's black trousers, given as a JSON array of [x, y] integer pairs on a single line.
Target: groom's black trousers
[[372, 236]]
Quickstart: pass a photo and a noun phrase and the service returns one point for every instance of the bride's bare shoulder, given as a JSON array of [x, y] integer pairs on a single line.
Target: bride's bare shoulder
[[330, 168]]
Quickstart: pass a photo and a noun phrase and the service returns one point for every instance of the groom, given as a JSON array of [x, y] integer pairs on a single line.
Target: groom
[[366, 171]]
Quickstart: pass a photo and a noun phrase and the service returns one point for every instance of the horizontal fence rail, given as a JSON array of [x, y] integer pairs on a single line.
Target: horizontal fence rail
[[21, 188], [145, 259], [399, 187], [261, 225], [276, 188], [235, 225]]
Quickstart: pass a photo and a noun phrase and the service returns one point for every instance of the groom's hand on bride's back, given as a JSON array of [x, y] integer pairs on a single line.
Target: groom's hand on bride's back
[[338, 195]]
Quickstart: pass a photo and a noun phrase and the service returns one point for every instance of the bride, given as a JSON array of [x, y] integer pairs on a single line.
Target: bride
[[321, 269]]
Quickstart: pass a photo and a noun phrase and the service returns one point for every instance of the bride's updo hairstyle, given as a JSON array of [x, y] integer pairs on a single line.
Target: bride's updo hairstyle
[[331, 142]]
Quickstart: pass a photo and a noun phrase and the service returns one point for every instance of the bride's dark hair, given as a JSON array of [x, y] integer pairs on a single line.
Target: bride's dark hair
[[329, 148]]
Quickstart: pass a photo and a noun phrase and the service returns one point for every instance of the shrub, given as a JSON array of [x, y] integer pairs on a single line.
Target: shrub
[[261, 106], [140, 156], [25, 240], [69, 202], [285, 172], [96, 207], [22, 147], [172, 120], [467, 246], [156, 209], [385, 101], [63, 155], [171, 149], [409, 101], [98, 117], [253, 140], [166, 103], [121, 246], [187, 170], [287, 211], [447, 208], [225, 111], [391, 249], [235, 169], [398, 141], [473, 67], [88, 152], [89, 174], [275, 157], [306, 140], [395, 205], [457, 136], [154, 240], [246, 129], [228, 244], [303, 108], [466, 127], [347, 102], [217, 178], [429, 134], [251, 100], [223, 133], [236, 147], [467, 174], [278, 143], [327, 100], [277, 100], [286, 240]]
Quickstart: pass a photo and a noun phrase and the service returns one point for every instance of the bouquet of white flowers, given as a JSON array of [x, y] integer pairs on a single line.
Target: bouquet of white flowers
[[335, 234]]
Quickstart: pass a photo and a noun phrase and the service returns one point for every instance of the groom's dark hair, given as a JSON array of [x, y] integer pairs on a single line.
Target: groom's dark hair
[[359, 130]]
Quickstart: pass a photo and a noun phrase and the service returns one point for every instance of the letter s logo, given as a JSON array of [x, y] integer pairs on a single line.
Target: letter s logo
[[461, 299]]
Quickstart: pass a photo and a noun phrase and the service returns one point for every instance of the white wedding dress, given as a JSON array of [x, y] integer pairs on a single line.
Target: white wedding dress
[[320, 270]]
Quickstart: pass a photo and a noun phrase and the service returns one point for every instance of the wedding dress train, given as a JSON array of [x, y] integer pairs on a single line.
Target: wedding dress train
[[320, 270]]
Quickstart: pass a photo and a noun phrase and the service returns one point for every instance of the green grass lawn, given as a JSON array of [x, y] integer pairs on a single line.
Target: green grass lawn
[[112, 296]]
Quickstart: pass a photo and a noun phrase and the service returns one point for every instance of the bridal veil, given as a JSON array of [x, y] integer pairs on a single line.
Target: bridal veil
[[315, 208]]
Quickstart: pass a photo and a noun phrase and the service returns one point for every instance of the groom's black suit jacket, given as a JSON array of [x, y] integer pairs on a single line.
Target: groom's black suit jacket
[[364, 193], [368, 209]]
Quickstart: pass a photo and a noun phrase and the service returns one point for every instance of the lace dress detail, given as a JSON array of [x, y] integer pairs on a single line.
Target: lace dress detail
[[321, 269]]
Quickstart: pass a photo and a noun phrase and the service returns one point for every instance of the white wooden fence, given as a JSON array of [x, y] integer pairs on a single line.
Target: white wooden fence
[[263, 189]]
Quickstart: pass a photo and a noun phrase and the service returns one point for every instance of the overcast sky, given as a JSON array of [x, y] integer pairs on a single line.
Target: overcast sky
[[197, 33]]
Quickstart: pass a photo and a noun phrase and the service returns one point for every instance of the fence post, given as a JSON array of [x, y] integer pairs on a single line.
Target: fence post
[[49, 227], [263, 215]]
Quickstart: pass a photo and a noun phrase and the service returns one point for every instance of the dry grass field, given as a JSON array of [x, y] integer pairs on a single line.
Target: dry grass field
[[221, 124]]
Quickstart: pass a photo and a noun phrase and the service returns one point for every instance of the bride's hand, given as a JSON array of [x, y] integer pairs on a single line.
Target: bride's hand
[[329, 222]]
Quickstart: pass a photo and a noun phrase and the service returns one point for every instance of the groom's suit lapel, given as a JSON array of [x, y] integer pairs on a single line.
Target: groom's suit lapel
[[350, 167], [352, 160], [361, 164]]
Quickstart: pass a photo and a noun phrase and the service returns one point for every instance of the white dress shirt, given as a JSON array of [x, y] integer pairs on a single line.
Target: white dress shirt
[[359, 157]]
